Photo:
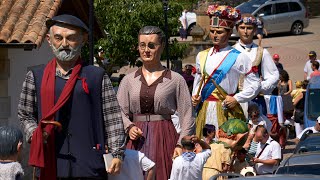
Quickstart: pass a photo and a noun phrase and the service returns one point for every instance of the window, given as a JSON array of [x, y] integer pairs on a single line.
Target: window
[[313, 104], [266, 10], [300, 169], [282, 8], [294, 6]]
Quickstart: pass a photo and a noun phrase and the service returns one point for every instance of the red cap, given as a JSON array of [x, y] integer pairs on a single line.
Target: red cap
[[276, 56]]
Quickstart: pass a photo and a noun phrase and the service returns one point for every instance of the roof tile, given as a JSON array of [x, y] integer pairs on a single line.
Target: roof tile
[[23, 21]]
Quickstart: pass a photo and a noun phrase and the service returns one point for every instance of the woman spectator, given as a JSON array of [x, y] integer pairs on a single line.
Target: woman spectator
[[299, 109], [285, 88], [148, 97]]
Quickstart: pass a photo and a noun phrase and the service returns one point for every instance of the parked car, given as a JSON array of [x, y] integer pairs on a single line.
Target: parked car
[[312, 103], [278, 16], [306, 163]]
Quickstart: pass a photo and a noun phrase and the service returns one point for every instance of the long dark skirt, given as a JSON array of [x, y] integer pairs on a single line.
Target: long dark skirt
[[158, 143]]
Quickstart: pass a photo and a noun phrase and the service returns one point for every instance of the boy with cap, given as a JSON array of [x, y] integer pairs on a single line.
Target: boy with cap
[[276, 59], [224, 65], [69, 111], [308, 67]]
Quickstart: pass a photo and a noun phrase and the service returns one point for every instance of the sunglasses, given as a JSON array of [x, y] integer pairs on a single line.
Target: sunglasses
[[150, 45]]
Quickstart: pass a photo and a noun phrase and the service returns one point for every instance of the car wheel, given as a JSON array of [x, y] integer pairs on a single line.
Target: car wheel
[[297, 28]]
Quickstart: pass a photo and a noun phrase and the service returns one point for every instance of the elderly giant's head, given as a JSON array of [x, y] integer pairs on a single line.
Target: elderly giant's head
[[151, 43], [67, 34]]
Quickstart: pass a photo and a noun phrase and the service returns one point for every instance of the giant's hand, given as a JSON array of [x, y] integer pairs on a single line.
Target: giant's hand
[[230, 102], [195, 100], [135, 133], [115, 166]]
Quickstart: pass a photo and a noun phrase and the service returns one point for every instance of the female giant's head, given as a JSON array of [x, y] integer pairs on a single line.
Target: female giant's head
[[151, 43]]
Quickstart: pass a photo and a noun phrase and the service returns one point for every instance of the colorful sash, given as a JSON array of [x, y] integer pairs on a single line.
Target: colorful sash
[[219, 74]]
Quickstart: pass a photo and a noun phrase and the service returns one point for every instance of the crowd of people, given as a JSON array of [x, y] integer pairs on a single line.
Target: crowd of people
[[231, 109]]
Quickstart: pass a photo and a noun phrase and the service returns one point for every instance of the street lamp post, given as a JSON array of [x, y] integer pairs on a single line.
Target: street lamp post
[[91, 21], [165, 9]]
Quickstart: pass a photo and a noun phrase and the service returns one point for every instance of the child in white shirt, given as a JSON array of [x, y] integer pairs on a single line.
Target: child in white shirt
[[134, 164], [190, 165]]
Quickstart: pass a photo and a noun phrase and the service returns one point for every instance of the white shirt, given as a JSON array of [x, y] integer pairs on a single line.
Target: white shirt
[[307, 68], [306, 129], [189, 170], [183, 20], [176, 122], [229, 83], [269, 70], [272, 151], [133, 166]]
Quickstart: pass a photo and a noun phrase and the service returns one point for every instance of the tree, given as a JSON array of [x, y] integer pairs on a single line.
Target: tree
[[122, 20]]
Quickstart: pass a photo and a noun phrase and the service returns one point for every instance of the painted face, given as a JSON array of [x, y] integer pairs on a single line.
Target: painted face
[[150, 48], [66, 42], [219, 36], [246, 33]]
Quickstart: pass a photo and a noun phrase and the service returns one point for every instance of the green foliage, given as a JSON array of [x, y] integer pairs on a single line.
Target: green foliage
[[177, 50], [188, 4], [122, 20]]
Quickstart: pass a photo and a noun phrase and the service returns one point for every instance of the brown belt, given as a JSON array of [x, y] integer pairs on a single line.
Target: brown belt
[[151, 117]]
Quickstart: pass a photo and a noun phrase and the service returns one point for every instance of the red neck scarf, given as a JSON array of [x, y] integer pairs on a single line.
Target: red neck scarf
[[216, 48], [42, 154]]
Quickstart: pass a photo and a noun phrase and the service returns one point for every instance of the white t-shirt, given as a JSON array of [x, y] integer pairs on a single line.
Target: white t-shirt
[[272, 151], [307, 68], [306, 129], [183, 20], [269, 70], [133, 166], [176, 122], [185, 170]]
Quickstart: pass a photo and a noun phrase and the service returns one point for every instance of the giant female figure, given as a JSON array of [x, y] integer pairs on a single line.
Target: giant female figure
[[148, 97]]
